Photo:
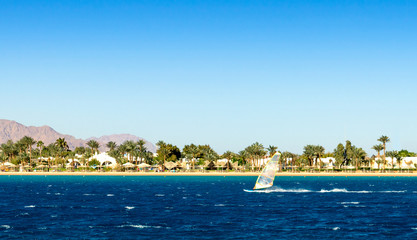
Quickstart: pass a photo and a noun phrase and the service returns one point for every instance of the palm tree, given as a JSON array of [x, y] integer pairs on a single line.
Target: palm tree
[[80, 150], [9, 149], [142, 149], [310, 153], [62, 146], [163, 151], [129, 147], [378, 148], [384, 139], [339, 154], [111, 145], [3, 157], [349, 152], [392, 155], [228, 155], [399, 159], [84, 158], [94, 145], [28, 142], [292, 156], [318, 152], [192, 151], [122, 149], [40, 145], [256, 151], [358, 154], [209, 154], [243, 155], [71, 155], [272, 150], [51, 151]]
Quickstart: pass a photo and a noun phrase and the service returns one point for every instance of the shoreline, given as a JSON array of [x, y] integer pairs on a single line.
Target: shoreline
[[326, 174]]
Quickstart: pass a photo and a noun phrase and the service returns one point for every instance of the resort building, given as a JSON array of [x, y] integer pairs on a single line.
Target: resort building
[[104, 159], [407, 162]]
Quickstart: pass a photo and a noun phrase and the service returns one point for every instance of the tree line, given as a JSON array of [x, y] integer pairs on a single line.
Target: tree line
[[29, 152]]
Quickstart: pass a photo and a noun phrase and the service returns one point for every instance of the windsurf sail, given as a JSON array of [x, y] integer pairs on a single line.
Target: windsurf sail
[[266, 178]]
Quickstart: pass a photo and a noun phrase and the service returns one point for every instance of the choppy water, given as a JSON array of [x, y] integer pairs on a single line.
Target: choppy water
[[115, 207]]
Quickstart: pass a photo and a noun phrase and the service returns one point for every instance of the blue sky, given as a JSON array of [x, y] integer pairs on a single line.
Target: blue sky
[[224, 73]]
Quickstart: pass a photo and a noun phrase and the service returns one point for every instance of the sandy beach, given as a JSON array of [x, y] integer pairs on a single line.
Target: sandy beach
[[339, 174]]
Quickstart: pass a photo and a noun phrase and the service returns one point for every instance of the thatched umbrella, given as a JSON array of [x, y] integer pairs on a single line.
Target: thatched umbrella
[[144, 165], [42, 167], [209, 165], [220, 165], [184, 165], [206, 163], [10, 165], [129, 165], [170, 165]]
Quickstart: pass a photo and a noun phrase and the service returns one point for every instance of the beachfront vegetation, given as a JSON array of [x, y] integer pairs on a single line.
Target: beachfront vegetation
[[28, 154]]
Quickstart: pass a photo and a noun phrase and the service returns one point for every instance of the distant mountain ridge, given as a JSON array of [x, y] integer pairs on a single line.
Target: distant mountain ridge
[[120, 138], [12, 130]]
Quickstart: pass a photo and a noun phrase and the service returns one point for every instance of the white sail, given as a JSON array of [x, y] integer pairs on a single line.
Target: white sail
[[266, 178]]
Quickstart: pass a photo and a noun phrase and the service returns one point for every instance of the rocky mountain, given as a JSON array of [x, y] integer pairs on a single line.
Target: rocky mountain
[[11, 130]]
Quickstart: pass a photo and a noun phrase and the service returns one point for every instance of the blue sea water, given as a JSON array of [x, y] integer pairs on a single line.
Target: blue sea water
[[180, 207]]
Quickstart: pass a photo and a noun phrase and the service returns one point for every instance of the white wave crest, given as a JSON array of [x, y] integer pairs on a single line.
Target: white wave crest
[[30, 206], [5, 226], [300, 190], [336, 228], [334, 190], [159, 195], [129, 208], [354, 203], [342, 190], [274, 189], [403, 191], [110, 195], [139, 226], [22, 214]]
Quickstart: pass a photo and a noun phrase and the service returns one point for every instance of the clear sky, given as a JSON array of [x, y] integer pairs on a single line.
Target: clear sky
[[224, 73]]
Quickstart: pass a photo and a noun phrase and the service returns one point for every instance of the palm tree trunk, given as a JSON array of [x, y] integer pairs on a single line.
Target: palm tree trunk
[[319, 163], [356, 164], [30, 156], [384, 157], [163, 166]]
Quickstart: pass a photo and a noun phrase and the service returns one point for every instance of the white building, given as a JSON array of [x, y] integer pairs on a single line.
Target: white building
[[104, 159], [407, 162], [329, 162]]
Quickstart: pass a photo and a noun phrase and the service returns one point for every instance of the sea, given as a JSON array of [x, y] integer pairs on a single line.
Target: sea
[[207, 207]]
